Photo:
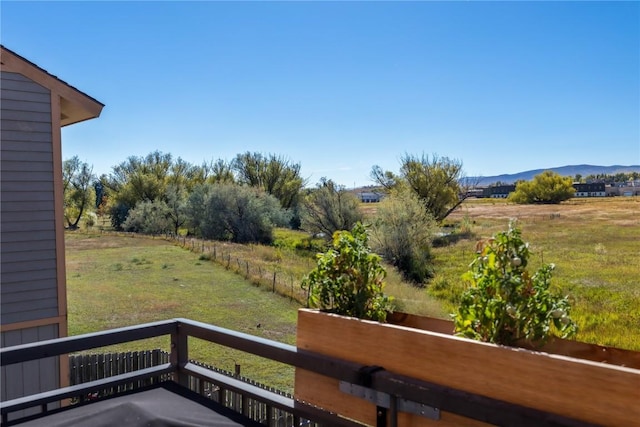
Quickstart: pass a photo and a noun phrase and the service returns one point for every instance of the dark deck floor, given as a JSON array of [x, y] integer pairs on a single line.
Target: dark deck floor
[[164, 405]]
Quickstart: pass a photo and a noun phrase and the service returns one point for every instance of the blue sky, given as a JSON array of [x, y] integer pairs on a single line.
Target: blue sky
[[341, 86]]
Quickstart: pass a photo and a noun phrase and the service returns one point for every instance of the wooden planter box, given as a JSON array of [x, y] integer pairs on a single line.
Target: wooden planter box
[[591, 383]]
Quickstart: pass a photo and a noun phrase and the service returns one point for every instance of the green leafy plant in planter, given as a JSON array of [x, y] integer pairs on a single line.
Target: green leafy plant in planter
[[505, 304], [349, 279]]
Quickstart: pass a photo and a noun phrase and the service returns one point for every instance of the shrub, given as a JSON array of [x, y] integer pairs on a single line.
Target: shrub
[[402, 233], [118, 214], [547, 187], [505, 304], [298, 241], [236, 213], [149, 218], [349, 279], [329, 208]]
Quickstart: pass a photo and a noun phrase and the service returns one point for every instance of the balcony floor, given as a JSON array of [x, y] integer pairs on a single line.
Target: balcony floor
[[164, 405]]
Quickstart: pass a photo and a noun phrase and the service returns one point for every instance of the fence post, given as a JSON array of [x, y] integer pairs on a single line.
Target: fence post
[[274, 282], [179, 356]]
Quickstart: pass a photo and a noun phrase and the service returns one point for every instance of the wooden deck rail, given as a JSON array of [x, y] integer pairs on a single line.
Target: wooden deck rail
[[375, 379]]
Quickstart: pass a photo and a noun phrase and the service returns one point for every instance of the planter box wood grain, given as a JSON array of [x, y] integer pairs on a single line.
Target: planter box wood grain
[[584, 389]]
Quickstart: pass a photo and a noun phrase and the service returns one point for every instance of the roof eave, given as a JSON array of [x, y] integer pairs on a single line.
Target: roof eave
[[75, 106]]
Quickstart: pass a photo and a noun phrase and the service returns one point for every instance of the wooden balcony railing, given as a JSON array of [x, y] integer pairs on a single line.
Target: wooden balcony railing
[[370, 381]]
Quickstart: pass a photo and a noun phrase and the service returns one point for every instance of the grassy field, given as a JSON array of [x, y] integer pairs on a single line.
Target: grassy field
[[594, 243], [120, 281]]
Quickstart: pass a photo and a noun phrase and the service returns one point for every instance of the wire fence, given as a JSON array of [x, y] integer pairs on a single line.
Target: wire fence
[[270, 275]]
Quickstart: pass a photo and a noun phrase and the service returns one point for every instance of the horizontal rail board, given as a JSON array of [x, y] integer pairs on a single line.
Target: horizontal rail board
[[279, 352], [59, 346], [468, 405], [272, 399], [73, 391]]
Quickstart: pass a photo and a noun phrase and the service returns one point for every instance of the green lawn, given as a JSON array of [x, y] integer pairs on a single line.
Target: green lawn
[[120, 281]]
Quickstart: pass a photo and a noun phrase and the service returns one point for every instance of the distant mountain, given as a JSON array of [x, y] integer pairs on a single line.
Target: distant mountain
[[584, 170]]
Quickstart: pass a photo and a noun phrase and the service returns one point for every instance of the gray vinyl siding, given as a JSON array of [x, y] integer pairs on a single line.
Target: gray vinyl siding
[[27, 378], [27, 207]]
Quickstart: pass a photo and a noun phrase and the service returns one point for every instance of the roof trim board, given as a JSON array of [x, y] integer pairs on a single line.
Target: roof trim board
[[75, 106]]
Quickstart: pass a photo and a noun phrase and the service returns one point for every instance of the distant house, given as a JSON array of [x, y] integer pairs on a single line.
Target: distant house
[[626, 189], [498, 191], [370, 196], [35, 105], [611, 190], [595, 189], [477, 192]]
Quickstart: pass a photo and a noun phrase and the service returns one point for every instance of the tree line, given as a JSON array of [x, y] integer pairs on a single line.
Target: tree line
[[608, 178], [244, 199]]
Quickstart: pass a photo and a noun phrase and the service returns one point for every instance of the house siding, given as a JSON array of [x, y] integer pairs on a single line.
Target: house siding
[[29, 377], [590, 190], [34, 105], [27, 206]]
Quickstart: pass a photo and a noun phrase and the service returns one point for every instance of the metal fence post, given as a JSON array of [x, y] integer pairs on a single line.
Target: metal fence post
[[179, 355]]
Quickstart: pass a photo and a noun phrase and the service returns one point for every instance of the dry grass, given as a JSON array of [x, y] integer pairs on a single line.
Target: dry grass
[[259, 263], [594, 243]]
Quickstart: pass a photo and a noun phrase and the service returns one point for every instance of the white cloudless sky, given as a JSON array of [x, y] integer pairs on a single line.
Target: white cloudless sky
[[339, 87]]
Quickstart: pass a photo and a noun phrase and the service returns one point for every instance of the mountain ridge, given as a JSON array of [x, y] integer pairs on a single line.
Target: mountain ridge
[[569, 170]]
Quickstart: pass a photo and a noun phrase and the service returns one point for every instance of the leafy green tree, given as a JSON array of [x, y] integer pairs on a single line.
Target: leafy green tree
[[620, 177], [77, 178], [149, 217], [181, 176], [435, 180], [387, 179], [236, 213], [213, 172], [275, 175], [220, 172], [176, 206], [504, 304], [118, 212], [136, 180], [100, 193], [402, 232], [349, 279], [196, 208], [547, 187], [330, 208]]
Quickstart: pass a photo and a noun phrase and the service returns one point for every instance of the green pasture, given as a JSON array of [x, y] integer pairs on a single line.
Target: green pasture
[[120, 281]]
